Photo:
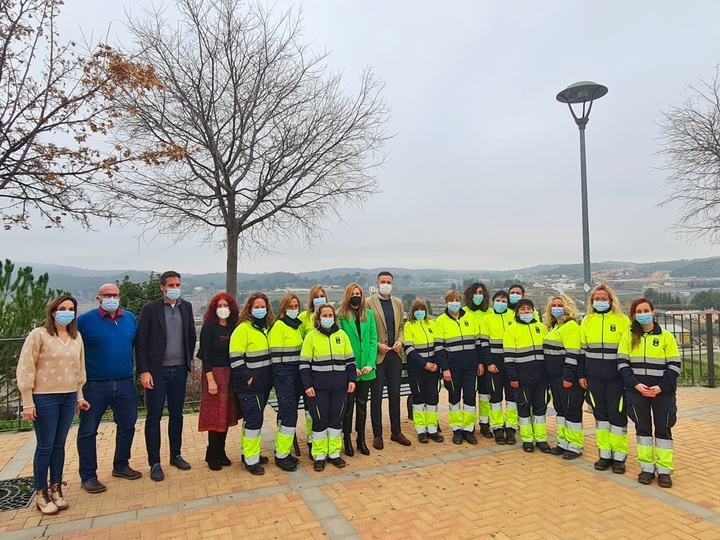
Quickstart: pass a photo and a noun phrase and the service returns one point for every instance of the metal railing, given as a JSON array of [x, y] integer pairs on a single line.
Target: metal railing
[[697, 335]]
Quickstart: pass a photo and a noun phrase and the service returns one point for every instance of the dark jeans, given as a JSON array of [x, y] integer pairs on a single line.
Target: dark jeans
[[358, 401], [54, 416], [120, 395], [389, 372], [169, 384]]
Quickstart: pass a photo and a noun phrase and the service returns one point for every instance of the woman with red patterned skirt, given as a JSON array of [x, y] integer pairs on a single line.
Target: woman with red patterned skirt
[[218, 405]]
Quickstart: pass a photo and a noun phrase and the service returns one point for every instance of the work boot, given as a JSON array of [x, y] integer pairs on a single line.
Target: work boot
[[44, 503], [485, 431], [510, 436], [646, 477], [285, 464], [528, 447], [603, 464], [437, 437], [557, 451], [570, 454], [469, 436], [499, 436], [457, 437], [337, 462], [347, 445], [319, 465], [664, 481], [543, 446], [618, 467], [423, 437], [255, 470]]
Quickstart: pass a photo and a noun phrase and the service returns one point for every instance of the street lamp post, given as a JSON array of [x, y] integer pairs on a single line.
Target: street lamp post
[[584, 92]]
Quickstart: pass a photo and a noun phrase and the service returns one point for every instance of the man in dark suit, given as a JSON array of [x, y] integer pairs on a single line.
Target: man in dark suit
[[164, 351]]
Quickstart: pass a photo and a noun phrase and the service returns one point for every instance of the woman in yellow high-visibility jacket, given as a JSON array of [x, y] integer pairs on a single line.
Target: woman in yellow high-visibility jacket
[[477, 303]]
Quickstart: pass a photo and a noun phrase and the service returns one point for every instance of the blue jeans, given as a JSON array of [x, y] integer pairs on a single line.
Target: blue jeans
[[120, 395], [169, 384], [54, 416]]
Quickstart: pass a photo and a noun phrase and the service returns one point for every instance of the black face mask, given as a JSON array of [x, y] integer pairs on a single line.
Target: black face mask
[[355, 301]]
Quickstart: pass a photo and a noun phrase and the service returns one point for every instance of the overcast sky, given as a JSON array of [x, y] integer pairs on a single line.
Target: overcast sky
[[484, 170]]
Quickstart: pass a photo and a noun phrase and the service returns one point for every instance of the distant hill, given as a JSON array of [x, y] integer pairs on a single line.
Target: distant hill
[[84, 282]]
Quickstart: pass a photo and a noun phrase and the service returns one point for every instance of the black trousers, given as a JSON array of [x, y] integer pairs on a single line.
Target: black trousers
[[499, 383], [531, 399], [425, 387], [389, 373], [253, 408], [660, 412], [568, 402], [358, 401], [607, 399], [463, 383], [327, 409], [288, 389]]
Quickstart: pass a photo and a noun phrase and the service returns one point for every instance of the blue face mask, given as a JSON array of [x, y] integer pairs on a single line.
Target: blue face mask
[[500, 307], [259, 313], [527, 317], [63, 318], [319, 301], [557, 312], [327, 322], [292, 313], [601, 306], [515, 298], [454, 307], [110, 304], [478, 299], [419, 315], [644, 318], [173, 294]]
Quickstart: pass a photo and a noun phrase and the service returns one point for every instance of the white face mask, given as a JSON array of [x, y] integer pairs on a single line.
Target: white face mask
[[385, 288], [223, 312]]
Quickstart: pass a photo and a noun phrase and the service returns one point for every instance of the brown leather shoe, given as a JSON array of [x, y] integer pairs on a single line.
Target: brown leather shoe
[[401, 439], [378, 443]]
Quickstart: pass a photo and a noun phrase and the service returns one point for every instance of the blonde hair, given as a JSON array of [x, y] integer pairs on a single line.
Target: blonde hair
[[316, 317], [312, 294], [346, 311], [285, 302], [571, 312], [453, 296], [614, 302]]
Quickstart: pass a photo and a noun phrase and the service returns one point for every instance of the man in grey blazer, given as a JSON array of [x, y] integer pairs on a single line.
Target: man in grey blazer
[[388, 313]]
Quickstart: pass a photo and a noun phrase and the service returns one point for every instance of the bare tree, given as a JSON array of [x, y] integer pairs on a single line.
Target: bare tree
[[55, 100], [273, 144], [691, 146]]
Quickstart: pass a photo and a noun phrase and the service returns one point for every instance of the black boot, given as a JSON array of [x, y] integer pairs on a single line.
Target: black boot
[[222, 456], [485, 431], [361, 446], [211, 454], [347, 445]]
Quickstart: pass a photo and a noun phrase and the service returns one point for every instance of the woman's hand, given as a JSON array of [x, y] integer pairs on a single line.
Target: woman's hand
[[492, 368], [30, 413], [567, 384], [83, 405], [358, 372], [212, 387], [429, 366], [250, 380], [351, 387], [655, 390], [366, 370], [515, 384], [310, 392], [480, 370], [582, 381], [447, 376]]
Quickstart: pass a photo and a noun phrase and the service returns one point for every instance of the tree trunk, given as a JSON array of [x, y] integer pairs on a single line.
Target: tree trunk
[[231, 266]]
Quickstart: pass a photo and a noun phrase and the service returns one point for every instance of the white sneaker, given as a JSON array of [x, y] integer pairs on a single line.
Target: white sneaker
[[45, 504]]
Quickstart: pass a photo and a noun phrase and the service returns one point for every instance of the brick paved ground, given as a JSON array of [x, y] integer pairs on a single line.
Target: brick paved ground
[[425, 491]]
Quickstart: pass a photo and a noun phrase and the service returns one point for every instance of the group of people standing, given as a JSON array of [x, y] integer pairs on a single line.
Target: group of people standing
[[332, 361]]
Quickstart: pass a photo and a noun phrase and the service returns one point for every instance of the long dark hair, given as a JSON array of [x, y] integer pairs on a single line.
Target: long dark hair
[[50, 316], [471, 290], [210, 312], [246, 313], [636, 328]]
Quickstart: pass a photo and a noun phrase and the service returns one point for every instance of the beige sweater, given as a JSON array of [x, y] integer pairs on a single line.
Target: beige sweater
[[49, 366]]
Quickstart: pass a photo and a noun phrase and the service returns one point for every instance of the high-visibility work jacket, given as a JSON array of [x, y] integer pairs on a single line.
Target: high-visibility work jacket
[[421, 342], [562, 351], [285, 342], [655, 361], [327, 361], [459, 342], [492, 329], [523, 350], [600, 335], [250, 359]]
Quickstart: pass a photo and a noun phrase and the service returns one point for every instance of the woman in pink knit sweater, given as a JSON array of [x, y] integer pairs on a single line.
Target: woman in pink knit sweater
[[50, 377]]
